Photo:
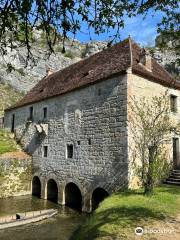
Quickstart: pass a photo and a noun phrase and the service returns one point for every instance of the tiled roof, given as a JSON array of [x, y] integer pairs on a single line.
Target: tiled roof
[[158, 73], [111, 61]]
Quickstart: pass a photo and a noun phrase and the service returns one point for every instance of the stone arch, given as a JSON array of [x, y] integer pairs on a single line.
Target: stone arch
[[98, 195], [36, 186], [52, 190], [73, 196]]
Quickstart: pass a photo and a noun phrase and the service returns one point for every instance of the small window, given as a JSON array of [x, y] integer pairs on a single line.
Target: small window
[[45, 112], [69, 151], [99, 92], [45, 151], [173, 103], [89, 141], [78, 143], [13, 123], [31, 113]]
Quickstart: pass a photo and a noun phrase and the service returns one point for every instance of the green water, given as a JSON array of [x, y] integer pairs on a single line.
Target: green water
[[60, 227]]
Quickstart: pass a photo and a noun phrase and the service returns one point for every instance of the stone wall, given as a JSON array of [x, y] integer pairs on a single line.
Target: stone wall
[[94, 120], [15, 176], [139, 87]]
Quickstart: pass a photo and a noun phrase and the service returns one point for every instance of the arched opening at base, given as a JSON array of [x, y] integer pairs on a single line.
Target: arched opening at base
[[36, 187], [99, 194], [52, 191], [73, 197]]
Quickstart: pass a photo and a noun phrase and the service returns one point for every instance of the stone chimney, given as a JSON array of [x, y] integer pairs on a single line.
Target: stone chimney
[[49, 71], [146, 59]]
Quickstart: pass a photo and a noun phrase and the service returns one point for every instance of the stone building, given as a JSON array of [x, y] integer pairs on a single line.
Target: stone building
[[74, 122]]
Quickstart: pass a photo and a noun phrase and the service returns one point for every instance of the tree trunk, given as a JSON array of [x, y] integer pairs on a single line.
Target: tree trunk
[[149, 185]]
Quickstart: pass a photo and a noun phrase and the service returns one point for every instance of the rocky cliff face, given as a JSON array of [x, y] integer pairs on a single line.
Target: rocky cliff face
[[21, 78], [14, 72], [166, 56]]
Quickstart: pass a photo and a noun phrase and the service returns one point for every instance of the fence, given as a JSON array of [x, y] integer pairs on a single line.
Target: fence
[[1, 122]]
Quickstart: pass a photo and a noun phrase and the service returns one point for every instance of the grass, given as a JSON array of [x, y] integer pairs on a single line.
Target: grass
[[8, 97], [7, 143], [119, 214]]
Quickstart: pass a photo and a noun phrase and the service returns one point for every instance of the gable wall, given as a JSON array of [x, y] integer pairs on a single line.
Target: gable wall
[[139, 87]]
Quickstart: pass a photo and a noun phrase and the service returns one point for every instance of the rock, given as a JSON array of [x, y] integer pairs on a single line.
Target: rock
[[94, 47], [13, 69]]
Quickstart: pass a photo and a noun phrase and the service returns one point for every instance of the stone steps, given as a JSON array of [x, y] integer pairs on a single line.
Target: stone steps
[[171, 182], [174, 178]]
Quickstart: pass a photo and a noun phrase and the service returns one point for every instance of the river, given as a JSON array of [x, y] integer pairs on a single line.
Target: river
[[59, 227]]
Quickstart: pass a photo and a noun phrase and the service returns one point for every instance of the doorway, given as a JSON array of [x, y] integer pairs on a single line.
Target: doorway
[[176, 159]]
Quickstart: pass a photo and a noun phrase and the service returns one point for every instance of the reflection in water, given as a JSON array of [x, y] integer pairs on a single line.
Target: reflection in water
[[59, 227]]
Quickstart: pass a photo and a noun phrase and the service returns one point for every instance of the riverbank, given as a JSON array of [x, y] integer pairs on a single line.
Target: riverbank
[[119, 215]]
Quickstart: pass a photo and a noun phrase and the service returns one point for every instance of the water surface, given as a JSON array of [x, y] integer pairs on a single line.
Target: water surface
[[60, 227]]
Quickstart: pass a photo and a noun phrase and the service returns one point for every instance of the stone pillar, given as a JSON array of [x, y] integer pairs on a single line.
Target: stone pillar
[[87, 204], [43, 190], [61, 195]]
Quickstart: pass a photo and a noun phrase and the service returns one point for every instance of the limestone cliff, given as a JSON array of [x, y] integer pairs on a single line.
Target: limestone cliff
[[19, 78]]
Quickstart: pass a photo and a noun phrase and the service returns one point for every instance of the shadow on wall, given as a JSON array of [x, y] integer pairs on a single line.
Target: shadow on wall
[[35, 143]]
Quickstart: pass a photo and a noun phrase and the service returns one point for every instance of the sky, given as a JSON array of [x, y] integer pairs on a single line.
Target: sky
[[143, 31]]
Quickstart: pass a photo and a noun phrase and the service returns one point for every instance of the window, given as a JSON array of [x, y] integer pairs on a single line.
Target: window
[[45, 151], [45, 112], [13, 123], [31, 113], [173, 103], [78, 142], [69, 151], [89, 141], [99, 92]]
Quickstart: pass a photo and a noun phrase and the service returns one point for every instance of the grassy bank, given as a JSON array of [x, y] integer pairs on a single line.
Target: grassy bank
[[7, 143], [8, 97], [119, 214]]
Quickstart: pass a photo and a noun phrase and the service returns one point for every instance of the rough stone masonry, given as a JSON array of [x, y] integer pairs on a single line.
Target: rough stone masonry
[[93, 120]]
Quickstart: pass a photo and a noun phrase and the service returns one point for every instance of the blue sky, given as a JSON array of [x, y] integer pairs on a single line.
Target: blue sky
[[143, 31]]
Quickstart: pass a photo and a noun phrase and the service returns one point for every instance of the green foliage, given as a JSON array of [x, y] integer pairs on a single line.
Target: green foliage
[[7, 143], [23, 34], [8, 97], [66, 17], [119, 214], [59, 48], [21, 71], [151, 128], [69, 54]]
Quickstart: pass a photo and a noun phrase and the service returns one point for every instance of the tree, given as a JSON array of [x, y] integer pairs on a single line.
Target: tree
[[152, 128], [66, 17]]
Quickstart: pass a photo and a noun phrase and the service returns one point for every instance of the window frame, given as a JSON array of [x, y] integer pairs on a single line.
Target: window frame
[[45, 117], [31, 113], [43, 151], [173, 103], [68, 156]]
